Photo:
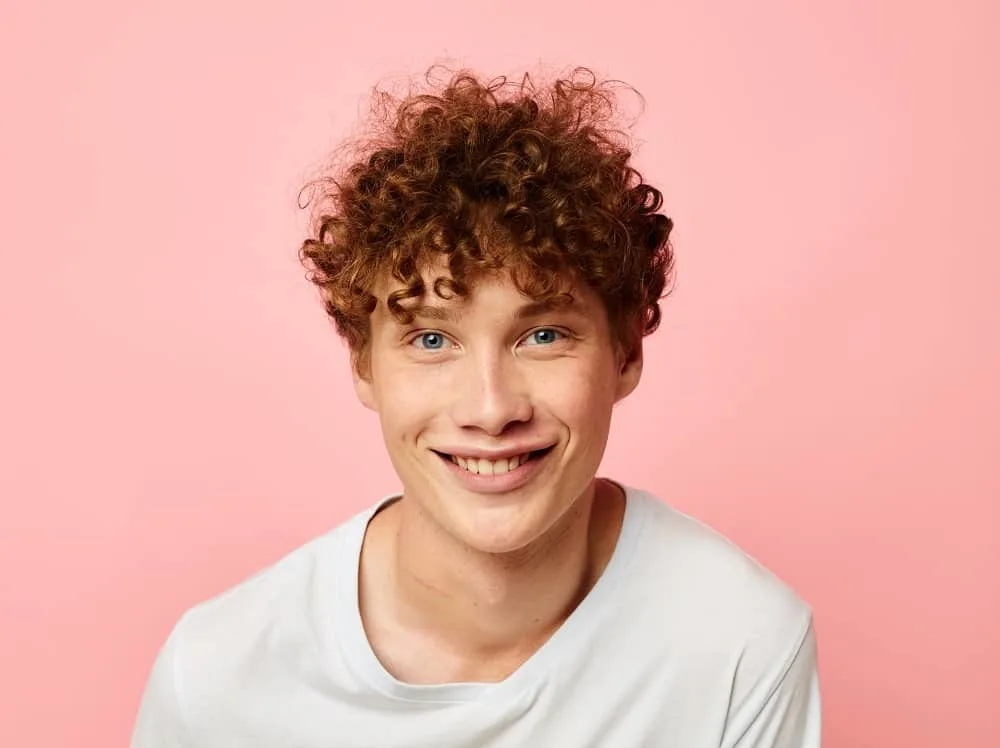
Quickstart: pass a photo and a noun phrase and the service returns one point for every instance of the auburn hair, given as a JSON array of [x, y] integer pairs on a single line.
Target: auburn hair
[[486, 175]]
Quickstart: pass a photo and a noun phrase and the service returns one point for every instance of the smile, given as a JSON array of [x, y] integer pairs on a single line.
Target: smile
[[486, 468]]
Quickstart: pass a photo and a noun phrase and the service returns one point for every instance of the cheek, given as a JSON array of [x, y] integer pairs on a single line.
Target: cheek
[[407, 401], [582, 399]]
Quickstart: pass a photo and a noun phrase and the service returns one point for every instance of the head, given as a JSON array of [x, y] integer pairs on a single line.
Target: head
[[493, 262]]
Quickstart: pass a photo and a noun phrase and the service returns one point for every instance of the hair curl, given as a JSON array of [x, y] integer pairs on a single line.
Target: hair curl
[[486, 176]]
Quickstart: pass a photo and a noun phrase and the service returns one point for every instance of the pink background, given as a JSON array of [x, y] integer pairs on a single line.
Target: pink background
[[176, 412]]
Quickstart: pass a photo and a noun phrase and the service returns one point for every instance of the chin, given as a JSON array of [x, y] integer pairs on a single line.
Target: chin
[[503, 527], [498, 546]]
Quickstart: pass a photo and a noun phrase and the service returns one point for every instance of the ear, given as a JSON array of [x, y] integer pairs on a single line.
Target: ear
[[364, 387], [629, 371]]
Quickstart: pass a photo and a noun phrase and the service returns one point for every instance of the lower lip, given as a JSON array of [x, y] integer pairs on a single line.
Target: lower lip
[[492, 484]]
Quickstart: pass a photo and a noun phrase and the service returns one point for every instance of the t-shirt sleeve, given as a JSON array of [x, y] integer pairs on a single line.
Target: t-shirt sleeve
[[787, 714], [159, 723]]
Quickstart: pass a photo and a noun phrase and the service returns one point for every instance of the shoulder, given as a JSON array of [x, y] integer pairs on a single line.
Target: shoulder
[[723, 621], [221, 646], [704, 589]]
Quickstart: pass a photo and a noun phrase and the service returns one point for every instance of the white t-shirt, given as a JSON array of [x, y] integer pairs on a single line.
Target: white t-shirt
[[684, 642]]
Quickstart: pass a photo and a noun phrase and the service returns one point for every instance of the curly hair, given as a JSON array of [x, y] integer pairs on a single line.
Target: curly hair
[[487, 175]]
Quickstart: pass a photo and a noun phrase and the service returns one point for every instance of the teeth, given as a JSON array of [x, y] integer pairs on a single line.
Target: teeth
[[490, 467]]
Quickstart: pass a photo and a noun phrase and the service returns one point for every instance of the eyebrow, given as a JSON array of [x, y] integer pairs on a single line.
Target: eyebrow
[[530, 310]]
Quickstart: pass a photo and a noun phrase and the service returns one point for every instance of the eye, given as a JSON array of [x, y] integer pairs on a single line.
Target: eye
[[543, 336], [430, 341]]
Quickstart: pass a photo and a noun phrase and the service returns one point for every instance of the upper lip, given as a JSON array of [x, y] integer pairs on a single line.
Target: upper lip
[[492, 454]]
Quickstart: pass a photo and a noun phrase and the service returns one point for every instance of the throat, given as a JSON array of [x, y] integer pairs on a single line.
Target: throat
[[434, 613]]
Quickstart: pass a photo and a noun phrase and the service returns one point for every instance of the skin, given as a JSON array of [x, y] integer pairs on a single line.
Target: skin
[[461, 585]]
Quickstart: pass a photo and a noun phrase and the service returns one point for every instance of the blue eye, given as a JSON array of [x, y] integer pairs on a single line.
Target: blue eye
[[544, 336], [431, 341]]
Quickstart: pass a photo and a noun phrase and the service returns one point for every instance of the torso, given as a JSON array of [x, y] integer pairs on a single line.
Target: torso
[[677, 645]]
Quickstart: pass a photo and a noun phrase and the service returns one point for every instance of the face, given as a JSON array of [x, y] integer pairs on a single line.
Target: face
[[496, 409]]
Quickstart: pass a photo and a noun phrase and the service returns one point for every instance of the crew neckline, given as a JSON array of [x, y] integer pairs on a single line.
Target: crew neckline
[[357, 651]]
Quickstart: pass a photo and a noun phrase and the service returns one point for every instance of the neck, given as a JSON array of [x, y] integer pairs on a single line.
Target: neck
[[496, 605]]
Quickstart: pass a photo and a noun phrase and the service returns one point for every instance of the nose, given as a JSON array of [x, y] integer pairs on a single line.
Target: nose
[[493, 394]]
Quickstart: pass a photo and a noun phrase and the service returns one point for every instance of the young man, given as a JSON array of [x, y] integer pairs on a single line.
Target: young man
[[493, 262]]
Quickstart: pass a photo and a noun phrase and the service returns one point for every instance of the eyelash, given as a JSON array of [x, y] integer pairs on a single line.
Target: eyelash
[[560, 336]]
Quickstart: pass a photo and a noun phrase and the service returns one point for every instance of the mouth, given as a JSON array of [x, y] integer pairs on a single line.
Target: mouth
[[480, 466]]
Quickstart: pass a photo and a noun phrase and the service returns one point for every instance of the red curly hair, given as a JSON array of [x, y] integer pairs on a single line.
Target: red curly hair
[[484, 176]]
